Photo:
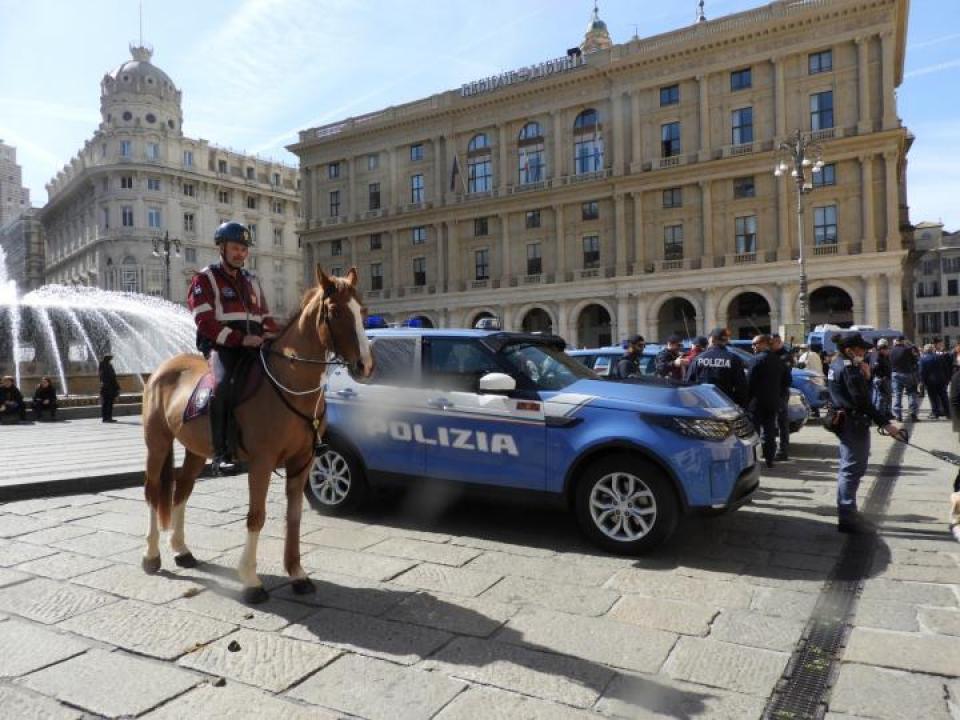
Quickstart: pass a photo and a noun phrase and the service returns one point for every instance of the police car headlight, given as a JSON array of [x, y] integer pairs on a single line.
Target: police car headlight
[[699, 428]]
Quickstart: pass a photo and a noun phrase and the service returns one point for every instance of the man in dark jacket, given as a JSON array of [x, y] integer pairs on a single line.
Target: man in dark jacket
[[722, 368], [45, 399], [778, 349], [933, 375], [109, 388], [628, 366], [12, 407], [668, 364], [765, 380], [848, 380], [879, 359], [903, 368]]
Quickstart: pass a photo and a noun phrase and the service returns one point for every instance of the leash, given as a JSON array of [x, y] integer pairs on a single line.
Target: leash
[[942, 455]]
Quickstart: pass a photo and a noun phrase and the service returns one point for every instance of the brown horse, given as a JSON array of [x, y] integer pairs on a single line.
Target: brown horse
[[275, 425]]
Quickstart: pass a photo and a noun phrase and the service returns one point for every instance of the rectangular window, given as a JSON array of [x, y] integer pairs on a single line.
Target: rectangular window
[[590, 210], [826, 176], [419, 271], [673, 242], [416, 188], [819, 62], [479, 174], [252, 227], [106, 218], [126, 149], [126, 182], [223, 196], [952, 287], [336, 271], [376, 276], [276, 179], [532, 219], [821, 110], [251, 202], [416, 152], [825, 225], [188, 222], [189, 190], [251, 173], [418, 235], [153, 217], [534, 261], [744, 187], [153, 151], [670, 140], [376, 241], [335, 203], [103, 150], [336, 248], [333, 170], [481, 227], [740, 79], [222, 166], [673, 197], [278, 237], [746, 228], [481, 264], [129, 282], [188, 158], [374, 196], [126, 216], [742, 124], [278, 207], [153, 184], [373, 162], [190, 255], [591, 251], [669, 95]]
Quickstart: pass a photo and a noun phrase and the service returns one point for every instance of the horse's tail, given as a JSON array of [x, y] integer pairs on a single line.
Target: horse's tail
[[159, 478], [159, 489]]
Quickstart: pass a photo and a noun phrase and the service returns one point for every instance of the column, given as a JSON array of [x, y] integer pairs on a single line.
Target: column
[[710, 317], [437, 172], [623, 321], [888, 85], [620, 213], [636, 155], [394, 179], [642, 327], [788, 309], [308, 199], [784, 246], [871, 300], [441, 271], [352, 209], [706, 219], [395, 269], [893, 200], [617, 122], [561, 272], [353, 250], [558, 154], [505, 266], [780, 97], [865, 118], [562, 328], [895, 300], [502, 173], [704, 83], [453, 255], [868, 242], [639, 240]]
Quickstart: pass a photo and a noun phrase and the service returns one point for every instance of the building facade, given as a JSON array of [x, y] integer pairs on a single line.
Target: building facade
[[631, 189], [936, 284], [22, 243], [14, 197], [139, 180]]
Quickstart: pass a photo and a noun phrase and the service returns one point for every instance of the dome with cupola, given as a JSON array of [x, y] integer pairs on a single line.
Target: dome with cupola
[[597, 37], [138, 93]]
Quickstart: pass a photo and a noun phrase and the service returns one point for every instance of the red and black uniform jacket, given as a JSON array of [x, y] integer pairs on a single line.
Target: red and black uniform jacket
[[226, 309]]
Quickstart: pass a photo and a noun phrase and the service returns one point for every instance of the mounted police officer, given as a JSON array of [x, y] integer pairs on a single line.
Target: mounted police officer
[[849, 383], [719, 366], [628, 366], [230, 310]]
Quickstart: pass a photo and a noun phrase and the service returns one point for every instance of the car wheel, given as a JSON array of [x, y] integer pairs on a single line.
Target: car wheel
[[625, 504], [336, 484]]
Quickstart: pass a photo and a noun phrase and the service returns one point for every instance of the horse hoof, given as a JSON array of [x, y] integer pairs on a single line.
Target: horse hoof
[[151, 566], [255, 595], [187, 560], [303, 586]]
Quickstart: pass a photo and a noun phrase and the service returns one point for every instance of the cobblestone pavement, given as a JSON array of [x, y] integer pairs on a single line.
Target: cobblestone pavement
[[457, 610]]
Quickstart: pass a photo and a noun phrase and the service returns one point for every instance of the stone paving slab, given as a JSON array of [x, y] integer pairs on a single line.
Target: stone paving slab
[[943, 622], [100, 543], [11, 577], [717, 664], [13, 552], [886, 615], [378, 690], [346, 592], [464, 616], [760, 631], [658, 697], [343, 538], [935, 654], [888, 694], [347, 562], [575, 599], [132, 582], [451, 580], [553, 570], [670, 615], [679, 587], [113, 684], [63, 565], [433, 552], [483, 702], [236, 702], [50, 601], [275, 614], [54, 534], [27, 647], [23, 705]]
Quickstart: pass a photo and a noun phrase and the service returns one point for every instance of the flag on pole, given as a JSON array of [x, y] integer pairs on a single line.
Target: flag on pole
[[454, 173]]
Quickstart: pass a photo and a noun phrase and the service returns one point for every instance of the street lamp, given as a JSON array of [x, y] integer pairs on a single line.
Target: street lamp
[[802, 154], [161, 248]]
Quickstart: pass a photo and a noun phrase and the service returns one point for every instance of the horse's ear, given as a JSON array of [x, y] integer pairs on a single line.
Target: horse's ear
[[326, 283], [352, 277]]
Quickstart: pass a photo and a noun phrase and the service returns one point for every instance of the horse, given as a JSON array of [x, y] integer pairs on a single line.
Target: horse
[[279, 425]]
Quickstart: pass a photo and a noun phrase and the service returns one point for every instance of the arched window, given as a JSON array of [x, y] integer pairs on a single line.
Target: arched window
[[530, 157], [587, 143], [479, 164]]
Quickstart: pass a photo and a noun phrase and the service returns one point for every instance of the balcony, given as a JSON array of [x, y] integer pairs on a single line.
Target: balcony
[[670, 162], [335, 220], [828, 134], [601, 174], [531, 279], [830, 249], [738, 150], [480, 284], [529, 187], [372, 214], [676, 265], [746, 258]]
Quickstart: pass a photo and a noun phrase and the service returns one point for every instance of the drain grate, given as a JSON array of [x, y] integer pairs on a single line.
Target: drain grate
[[801, 692]]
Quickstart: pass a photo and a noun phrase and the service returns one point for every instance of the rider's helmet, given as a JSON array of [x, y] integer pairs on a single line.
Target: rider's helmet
[[233, 232]]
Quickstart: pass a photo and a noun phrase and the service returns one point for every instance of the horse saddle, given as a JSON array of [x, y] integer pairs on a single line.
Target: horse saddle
[[247, 377]]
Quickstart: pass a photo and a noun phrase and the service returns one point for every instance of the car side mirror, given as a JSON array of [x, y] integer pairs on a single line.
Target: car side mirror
[[497, 382]]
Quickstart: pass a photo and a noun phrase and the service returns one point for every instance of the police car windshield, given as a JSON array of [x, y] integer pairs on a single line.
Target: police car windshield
[[546, 367]]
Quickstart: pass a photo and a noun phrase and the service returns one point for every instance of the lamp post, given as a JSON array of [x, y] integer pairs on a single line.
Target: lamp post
[[800, 153], [161, 248]]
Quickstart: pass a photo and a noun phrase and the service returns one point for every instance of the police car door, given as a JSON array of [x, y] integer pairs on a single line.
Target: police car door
[[378, 415], [474, 437]]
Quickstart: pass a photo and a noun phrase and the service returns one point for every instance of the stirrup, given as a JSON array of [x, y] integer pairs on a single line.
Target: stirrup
[[224, 465]]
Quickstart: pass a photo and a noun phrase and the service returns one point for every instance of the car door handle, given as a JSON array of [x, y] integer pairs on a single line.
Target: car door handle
[[347, 393], [440, 402]]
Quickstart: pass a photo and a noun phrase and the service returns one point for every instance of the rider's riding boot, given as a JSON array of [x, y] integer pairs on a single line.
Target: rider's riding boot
[[222, 463]]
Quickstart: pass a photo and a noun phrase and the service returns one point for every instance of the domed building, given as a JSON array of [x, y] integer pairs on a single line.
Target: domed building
[[597, 37], [140, 181]]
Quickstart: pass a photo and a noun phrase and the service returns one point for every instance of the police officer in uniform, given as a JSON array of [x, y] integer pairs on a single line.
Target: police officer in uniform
[[719, 366], [766, 378], [849, 381], [628, 366], [231, 314]]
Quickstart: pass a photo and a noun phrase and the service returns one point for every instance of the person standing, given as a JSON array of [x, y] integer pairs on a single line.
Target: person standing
[[628, 366], [719, 366], [879, 359], [783, 416], [668, 363], [109, 388], [955, 414], [933, 375], [903, 374], [765, 379], [11, 400], [45, 399], [849, 383]]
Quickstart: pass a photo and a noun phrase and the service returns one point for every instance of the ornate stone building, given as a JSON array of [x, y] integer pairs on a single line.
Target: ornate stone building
[[630, 188], [936, 284], [140, 179]]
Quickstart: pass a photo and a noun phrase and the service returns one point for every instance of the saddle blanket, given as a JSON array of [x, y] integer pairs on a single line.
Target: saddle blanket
[[199, 401], [248, 377]]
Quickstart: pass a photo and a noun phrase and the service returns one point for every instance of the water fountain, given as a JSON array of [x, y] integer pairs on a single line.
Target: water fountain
[[63, 331]]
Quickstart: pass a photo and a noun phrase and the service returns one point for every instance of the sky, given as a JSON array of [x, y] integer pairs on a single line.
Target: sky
[[255, 72]]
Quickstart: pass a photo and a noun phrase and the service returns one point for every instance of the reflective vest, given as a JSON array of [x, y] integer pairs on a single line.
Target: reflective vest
[[225, 309]]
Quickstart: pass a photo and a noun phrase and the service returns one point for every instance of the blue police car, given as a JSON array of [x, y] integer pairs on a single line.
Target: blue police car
[[512, 411]]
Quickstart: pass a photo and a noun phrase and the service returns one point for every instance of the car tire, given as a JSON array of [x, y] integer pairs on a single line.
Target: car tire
[[336, 484], [650, 503]]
